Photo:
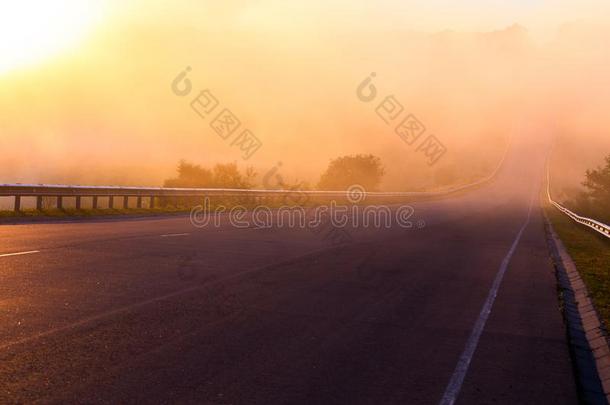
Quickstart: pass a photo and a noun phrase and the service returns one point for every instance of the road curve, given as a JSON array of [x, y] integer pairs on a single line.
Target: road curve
[[157, 311]]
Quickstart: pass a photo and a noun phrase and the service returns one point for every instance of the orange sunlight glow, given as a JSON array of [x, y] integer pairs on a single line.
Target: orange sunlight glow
[[32, 31]]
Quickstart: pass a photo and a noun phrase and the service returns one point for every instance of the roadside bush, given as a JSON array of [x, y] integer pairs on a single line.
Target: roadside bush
[[595, 201], [345, 171], [222, 175]]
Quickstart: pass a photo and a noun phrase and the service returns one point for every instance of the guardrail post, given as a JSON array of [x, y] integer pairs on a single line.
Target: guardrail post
[[139, 203], [78, 202], [111, 202], [94, 203], [60, 203], [125, 202], [39, 203], [17, 203], [152, 201]]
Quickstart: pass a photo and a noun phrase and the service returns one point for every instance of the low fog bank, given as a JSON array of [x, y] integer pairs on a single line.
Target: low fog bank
[[108, 115], [580, 101]]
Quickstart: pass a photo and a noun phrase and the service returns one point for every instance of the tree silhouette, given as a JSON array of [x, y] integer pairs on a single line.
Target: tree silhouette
[[345, 171], [225, 175], [598, 184]]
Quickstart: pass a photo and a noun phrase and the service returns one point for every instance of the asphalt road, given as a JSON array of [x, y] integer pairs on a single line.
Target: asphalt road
[[157, 311]]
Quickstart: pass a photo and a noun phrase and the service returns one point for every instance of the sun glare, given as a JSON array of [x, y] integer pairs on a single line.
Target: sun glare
[[32, 31]]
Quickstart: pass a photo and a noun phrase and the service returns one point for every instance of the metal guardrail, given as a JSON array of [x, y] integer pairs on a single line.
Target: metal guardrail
[[111, 192], [95, 192], [591, 223]]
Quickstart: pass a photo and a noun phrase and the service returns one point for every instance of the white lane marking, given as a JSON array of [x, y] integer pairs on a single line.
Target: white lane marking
[[171, 235], [455, 384], [29, 252]]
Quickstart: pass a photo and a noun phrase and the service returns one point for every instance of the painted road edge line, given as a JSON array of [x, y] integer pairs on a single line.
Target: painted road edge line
[[457, 378], [29, 252], [587, 338]]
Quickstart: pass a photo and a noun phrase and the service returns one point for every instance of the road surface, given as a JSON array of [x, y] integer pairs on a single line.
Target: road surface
[[157, 311]]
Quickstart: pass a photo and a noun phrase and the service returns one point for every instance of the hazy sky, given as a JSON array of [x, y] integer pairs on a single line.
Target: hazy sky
[[43, 28], [85, 86], [541, 17]]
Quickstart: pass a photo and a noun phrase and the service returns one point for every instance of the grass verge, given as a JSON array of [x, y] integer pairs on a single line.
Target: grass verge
[[590, 252], [89, 213]]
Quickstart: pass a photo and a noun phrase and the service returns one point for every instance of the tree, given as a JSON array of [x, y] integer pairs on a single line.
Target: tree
[[190, 175], [345, 171], [598, 184], [228, 176], [222, 175]]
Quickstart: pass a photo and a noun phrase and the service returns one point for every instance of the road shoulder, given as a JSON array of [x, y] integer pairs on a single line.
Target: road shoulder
[[586, 334]]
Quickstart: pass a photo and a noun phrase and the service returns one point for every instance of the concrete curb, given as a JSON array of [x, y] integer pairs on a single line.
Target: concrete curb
[[587, 337]]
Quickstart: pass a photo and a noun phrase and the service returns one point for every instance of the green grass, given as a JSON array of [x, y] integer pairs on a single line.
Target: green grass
[[89, 213], [591, 254]]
